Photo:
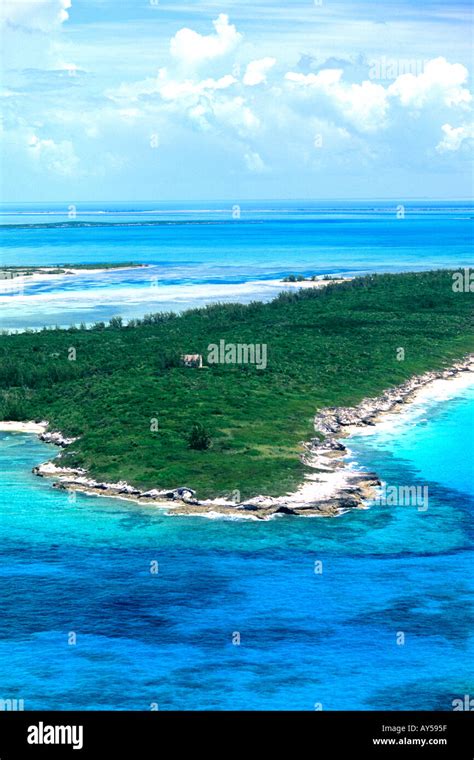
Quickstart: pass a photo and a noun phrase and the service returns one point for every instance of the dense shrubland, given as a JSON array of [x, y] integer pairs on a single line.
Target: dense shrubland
[[227, 427]]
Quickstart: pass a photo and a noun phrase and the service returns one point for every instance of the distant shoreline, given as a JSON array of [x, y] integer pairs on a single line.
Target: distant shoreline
[[40, 273], [332, 490]]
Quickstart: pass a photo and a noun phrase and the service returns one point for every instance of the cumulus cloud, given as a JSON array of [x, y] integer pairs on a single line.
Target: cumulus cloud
[[236, 114], [191, 47], [440, 81], [256, 72], [39, 15], [58, 157], [328, 116], [217, 104], [454, 137], [363, 105], [204, 103], [194, 94], [367, 105]]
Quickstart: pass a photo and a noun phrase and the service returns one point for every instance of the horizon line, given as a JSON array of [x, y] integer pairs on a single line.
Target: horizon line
[[252, 200]]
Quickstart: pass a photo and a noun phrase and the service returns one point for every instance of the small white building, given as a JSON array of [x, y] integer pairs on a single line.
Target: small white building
[[192, 360]]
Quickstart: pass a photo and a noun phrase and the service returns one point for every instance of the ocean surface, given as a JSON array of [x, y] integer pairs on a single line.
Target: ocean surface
[[207, 252], [332, 638]]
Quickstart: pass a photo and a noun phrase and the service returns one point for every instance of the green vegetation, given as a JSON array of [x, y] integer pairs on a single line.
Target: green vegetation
[[313, 278], [199, 438], [294, 278], [109, 265], [227, 427]]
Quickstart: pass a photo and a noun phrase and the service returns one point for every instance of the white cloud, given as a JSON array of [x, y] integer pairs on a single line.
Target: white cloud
[[363, 105], [189, 46], [132, 91], [204, 103], [39, 15], [323, 79], [254, 162], [198, 115], [454, 137], [174, 90], [368, 106], [234, 113], [440, 81], [169, 88], [58, 157], [256, 72], [214, 102]]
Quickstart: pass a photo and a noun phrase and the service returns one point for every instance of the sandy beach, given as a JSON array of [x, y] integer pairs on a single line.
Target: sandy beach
[[322, 486], [23, 427]]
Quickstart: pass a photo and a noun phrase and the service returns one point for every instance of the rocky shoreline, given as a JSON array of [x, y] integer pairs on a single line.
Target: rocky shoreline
[[332, 489]]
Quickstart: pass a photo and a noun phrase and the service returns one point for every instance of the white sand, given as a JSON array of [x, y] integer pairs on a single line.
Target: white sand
[[321, 486], [306, 283], [441, 389], [23, 427], [16, 285], [13, 284], [107, 269]]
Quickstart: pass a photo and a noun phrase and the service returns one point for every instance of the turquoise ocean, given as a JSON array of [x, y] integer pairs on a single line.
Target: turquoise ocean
[[207, 252], [385, 623]]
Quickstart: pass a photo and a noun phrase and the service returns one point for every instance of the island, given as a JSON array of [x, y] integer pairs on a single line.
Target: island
[[150, 411]]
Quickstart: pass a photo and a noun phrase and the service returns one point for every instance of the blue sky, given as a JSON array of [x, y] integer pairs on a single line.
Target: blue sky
[[149, 99]]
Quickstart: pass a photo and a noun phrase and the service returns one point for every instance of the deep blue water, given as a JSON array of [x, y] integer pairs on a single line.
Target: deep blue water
[[201, 253], [83, 566]]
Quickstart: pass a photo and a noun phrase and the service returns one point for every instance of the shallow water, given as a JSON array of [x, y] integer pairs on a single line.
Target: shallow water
[[200, 256]]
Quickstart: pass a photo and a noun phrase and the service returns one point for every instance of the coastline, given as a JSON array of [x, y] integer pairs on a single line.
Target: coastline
[[224, 289], [12, 426], [16, 298], [46, 274], [332, 489]]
